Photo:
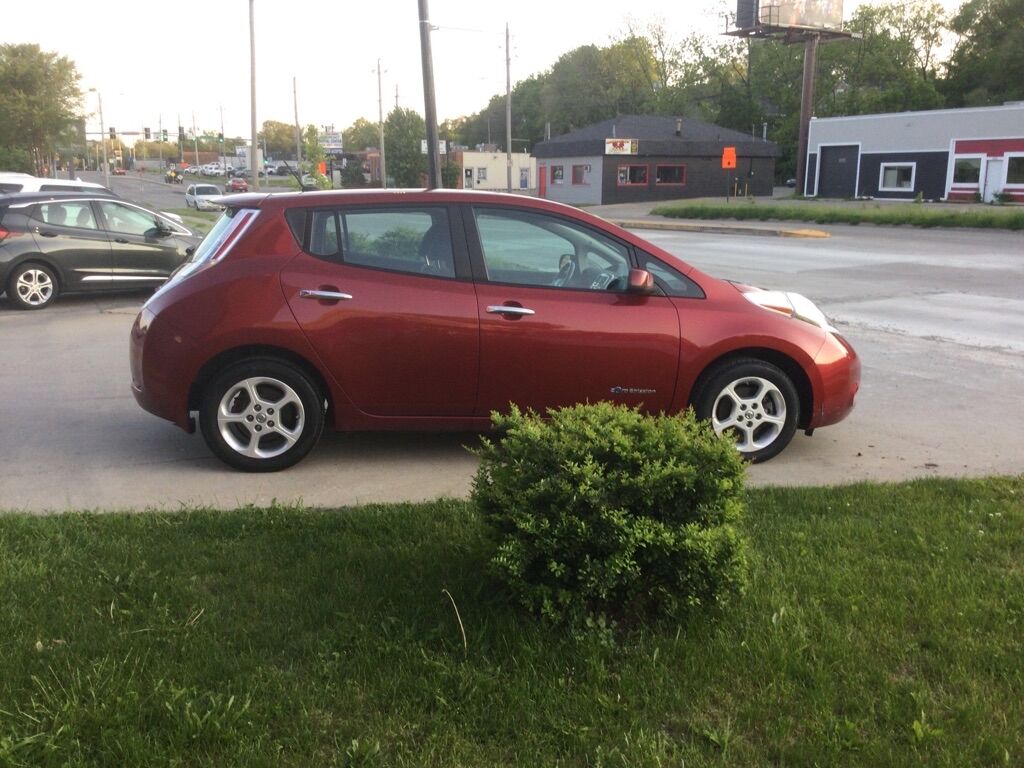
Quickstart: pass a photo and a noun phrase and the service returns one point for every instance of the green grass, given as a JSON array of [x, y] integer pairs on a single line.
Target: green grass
[[854, 212], [198, 221], [884, 627]]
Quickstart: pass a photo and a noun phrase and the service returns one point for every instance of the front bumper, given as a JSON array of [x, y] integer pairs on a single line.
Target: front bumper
[[839, 368]]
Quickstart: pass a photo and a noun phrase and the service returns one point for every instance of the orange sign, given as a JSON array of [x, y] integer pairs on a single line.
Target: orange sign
[[728, 157], [322, 167]]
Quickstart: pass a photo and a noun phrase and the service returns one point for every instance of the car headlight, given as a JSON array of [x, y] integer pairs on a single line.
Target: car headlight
[[793, 305]]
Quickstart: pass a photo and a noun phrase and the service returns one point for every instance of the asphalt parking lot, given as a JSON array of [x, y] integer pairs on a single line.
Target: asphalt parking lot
[[937, 317]]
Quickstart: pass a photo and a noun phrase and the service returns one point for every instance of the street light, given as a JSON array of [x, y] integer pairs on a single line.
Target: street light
[[103, 140]]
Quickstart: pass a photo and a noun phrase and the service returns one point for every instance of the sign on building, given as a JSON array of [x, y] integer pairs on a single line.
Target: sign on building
[[442, 146], [621, 146]]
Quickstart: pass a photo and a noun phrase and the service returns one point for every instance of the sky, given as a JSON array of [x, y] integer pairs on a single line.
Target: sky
[[156, 64]]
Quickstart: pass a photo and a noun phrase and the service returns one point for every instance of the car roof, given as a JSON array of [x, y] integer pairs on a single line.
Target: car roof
[[8, 198]]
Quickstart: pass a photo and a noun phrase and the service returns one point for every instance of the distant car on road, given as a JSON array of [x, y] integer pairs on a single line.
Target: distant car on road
[[119, 171], [237, 184], [57, 242], [201, 197], [193, 169]]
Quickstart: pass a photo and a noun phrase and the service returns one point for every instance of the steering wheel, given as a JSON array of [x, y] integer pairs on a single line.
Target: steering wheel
[[566, 270], [602, 280]]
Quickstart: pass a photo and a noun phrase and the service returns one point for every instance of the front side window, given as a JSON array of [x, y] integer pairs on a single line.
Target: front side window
[[897, 177], [407, 240], [1015, 169], [126, 220], [526, 248], [670, 174], [967, 170], [632, 175]]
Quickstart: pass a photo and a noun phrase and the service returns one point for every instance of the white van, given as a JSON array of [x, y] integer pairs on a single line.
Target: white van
[[22, 182]]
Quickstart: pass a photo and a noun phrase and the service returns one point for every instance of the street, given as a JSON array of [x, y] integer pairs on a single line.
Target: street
[[936, 316]]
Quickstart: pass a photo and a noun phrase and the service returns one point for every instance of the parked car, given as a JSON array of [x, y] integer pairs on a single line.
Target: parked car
[[431, 309], [119, 171], [53, 243], [23, 182], [203, 197], [212, 169], [237, 184], [195, 169]]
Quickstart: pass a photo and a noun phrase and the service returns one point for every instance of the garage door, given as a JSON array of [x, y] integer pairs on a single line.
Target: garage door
[[838, 176]]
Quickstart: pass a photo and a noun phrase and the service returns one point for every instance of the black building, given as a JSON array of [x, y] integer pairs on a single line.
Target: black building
[[635, 158]]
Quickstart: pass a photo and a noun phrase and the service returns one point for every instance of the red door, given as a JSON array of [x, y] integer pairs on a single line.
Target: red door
[[576, 346], [542, 181]]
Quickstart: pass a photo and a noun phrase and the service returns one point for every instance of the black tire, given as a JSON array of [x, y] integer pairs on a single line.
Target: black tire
[[753, 401], [32, 286], [283, 423]]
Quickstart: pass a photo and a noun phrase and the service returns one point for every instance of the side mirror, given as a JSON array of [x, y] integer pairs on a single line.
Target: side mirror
[[640, 281]]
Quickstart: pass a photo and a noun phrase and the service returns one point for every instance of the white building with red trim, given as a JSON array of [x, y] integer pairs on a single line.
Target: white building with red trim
[[943, 154]]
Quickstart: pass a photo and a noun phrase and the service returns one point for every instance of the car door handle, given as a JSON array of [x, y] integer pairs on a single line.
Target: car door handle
[[47, 233], [120, 240], [501, 309], [307, 293]]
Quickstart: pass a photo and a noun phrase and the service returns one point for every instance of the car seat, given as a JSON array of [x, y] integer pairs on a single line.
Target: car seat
[[435, 250]]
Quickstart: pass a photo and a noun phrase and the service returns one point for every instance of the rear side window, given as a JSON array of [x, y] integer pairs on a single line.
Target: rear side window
[[6, 186], [407, 240]]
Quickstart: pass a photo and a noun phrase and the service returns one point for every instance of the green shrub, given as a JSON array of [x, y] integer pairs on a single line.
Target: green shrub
[[603, 514]]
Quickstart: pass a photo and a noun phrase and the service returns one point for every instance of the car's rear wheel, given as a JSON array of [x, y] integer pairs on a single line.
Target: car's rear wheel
[[752, 402], [261, 415], [32, 286]]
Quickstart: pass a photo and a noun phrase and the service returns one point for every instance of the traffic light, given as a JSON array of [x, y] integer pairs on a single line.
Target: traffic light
[[113, 134], [145, 131], [164, 137], [181, 134], [220, 137]]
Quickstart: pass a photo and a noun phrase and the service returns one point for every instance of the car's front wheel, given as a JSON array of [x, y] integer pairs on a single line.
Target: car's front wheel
[[261, 415], [752, 402], [32, 286]]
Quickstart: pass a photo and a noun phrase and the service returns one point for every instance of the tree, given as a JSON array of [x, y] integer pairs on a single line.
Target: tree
[[987, 65], [403, 132], [360, 135], [279, 138], [39, 101]]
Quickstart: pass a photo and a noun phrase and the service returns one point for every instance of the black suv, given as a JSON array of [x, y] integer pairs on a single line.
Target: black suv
[[53, 243]]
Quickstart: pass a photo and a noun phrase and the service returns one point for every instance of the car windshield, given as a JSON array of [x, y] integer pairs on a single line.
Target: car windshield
[[207, 191]]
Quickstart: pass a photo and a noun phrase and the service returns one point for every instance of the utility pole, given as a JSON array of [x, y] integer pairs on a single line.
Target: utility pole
[[806, 107], [254, 146], [380, 127], [430, 109], [508, 109], [160, 139], [103, 141], [223, 155], [298, 131], [195, 138]]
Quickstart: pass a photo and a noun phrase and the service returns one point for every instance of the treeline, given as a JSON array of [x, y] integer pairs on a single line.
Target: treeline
[[905, 56]]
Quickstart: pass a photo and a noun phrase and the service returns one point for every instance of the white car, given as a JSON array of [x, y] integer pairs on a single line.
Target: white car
[[22, 182], [204, 197], [212, 169]]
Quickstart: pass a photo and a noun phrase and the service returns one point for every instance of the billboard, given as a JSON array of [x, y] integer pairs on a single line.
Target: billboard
[[621, 146], [806, 14]]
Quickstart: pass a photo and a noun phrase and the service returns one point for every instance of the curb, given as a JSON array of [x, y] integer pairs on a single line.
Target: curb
[[721, 229]]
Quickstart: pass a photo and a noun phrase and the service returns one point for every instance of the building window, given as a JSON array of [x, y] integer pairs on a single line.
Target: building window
[[557, 174], [1015, 169], [632, 175], [481, 174], [967, 170], [670, 174], [896, 177], [580, 174]]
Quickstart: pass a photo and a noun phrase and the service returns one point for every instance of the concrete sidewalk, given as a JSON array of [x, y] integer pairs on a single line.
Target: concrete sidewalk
[[639, 216]]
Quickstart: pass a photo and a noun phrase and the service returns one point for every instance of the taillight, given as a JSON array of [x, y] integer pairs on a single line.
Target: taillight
[[5, 233]]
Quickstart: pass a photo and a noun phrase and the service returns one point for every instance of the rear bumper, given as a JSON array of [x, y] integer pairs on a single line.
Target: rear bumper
[[154, 389]]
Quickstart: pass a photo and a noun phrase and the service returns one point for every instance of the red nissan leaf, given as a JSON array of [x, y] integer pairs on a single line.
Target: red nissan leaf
[[407, 310]]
